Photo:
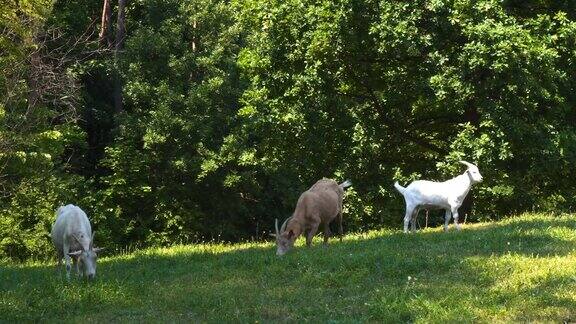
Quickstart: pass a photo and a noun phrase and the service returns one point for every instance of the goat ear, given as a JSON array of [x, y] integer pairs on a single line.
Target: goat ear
[[96, 250], [272, 234], [75, 253]]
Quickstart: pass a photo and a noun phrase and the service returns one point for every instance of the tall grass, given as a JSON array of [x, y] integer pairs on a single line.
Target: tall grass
[[520, 269]]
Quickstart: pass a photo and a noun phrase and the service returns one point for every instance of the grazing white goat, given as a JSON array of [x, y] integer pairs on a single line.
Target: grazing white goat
[[447, 195], [73, 238], [319, 205]]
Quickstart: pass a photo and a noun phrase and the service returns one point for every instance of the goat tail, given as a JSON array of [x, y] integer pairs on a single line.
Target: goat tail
[[345, 184], [399, 187]]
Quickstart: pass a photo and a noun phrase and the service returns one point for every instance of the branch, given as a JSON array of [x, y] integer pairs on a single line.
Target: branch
[[397, 128], [394, 126]]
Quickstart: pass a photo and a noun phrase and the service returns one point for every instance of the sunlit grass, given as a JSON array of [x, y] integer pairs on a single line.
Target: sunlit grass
[[520, 269]]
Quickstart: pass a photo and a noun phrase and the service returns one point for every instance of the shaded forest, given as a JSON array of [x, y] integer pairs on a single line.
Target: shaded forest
[[184, 121]]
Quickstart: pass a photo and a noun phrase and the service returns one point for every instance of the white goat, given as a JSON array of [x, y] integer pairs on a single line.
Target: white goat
[[447, 195], [73, 238]]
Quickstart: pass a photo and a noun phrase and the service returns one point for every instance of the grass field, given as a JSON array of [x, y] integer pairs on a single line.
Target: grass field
[[520, 269]]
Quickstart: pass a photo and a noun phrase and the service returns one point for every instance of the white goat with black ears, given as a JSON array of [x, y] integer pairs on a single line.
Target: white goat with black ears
[[447, 195]]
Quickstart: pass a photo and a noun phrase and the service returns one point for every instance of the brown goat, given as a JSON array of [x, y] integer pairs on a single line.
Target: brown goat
[[317, 206]]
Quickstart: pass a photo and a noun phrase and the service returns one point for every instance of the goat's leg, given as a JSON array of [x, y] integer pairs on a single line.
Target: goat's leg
[[414, 219], [311, 233], [68, 266], [455, 216], [326, 233], [65, 251], [447, 219], [305, 234], [408, 217]]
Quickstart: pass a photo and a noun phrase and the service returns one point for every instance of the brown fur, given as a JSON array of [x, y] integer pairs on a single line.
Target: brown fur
[[318, 206]]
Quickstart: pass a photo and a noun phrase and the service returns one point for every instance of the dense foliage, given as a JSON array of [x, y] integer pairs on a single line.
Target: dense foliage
[[232, 108]]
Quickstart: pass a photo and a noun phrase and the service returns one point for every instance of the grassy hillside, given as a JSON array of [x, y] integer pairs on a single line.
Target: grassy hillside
[[521, 269]]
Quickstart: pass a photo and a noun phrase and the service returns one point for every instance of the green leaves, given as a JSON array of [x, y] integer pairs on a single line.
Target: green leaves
[[416, 79], [232, 109]]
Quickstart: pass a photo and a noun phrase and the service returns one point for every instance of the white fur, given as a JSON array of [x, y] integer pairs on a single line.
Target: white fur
[[73, 237], [447, 195]]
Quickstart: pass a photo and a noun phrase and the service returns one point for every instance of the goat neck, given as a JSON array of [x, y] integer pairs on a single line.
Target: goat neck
[[295, 226], [462, 183]]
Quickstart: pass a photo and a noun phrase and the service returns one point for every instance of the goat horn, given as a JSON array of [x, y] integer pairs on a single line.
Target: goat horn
[[283, 228], [468, 164], [276, 225]]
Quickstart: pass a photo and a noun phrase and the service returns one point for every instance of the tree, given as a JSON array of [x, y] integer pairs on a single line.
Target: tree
[[105, 27], [118, 46], [387, 90], [37, 122]]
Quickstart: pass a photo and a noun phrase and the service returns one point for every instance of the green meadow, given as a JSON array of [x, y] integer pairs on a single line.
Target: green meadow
[[519, 269]]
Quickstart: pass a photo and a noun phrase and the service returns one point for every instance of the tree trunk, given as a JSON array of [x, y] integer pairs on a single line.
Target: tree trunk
[[104, 35], [119, 45]]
